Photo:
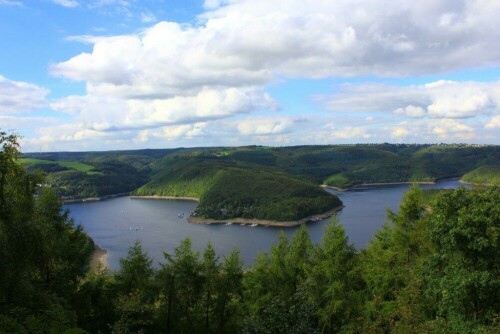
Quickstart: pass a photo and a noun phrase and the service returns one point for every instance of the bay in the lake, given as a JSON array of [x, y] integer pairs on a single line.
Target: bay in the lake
[[115, 224]]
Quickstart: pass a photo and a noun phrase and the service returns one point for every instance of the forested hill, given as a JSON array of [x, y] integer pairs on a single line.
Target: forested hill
[[254, 175], [228, 188], [335, 165]]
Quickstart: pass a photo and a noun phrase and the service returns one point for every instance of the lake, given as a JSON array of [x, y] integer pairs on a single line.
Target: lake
[[116, 223]]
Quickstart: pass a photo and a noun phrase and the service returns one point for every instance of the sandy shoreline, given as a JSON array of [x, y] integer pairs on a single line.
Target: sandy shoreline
[[179, 198], [98, 259], [198, 220]]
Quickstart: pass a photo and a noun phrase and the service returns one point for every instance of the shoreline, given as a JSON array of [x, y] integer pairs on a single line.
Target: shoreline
[[334, 188], [92, 199], [375, 184], [98, 260], [178, 198], [478, 184], [262, 222]]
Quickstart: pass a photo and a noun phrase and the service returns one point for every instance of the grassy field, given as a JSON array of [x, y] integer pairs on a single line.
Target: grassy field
[[75, 165]]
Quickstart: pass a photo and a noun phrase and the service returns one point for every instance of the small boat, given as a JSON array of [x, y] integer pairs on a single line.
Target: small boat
[[253, 225], [242, 224], [229, 223]]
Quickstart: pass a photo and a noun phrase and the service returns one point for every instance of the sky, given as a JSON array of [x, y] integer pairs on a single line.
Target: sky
[[81, 75]]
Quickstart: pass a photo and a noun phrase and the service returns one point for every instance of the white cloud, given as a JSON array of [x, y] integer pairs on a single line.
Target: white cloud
[[265, 126], [111, 114], [252, 41], [399, 132], [451, 129], [183, 131], [18, 96], [351, 132], [174, 74], [494, 123], [66, 3], [440, 99], [411, 111], [8, 121]]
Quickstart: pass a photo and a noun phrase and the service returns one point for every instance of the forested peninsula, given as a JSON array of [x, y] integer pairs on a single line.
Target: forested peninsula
[[433, 268], [256, 182]]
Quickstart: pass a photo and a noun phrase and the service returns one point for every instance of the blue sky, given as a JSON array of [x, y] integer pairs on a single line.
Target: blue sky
[[125, 74]]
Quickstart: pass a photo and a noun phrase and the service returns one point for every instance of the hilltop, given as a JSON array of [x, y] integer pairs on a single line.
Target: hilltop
[[278, 183]]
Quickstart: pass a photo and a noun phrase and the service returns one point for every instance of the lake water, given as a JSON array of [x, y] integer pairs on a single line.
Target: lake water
[[115, 224]]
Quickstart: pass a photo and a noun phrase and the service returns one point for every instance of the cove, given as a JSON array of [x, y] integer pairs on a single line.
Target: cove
[[116, 223]]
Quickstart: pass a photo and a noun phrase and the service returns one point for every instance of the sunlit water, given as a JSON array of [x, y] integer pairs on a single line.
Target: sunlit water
[[116, 223]]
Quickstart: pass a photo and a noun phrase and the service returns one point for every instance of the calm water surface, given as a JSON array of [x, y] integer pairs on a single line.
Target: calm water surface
[[116, 223]]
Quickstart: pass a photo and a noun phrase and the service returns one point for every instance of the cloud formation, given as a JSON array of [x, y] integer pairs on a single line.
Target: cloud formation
[[265, 126], [440, 99], [18, 96], [186, 77], [258, 39], [113, 114]]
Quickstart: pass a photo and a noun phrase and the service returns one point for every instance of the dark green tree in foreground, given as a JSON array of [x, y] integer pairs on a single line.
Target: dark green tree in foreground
[[42, 254], [462, 275]]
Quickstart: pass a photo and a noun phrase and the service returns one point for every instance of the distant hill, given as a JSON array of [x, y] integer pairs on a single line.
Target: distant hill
[[257, 181]]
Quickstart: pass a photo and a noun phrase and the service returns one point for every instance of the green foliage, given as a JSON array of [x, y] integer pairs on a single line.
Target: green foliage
[[42, 254], [464, 269], [135, 270], [230, 189], [436, 268], [48, 165], [339, 180], [246, 181], [334, 282], [484, 175], [433, 268]]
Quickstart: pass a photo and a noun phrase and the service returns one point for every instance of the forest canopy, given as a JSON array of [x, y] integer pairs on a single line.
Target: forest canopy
[[433, 268]]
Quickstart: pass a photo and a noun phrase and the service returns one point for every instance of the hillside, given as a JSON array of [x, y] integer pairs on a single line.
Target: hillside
[[82, 175], [230, 189], [256, 181], [489, 175]]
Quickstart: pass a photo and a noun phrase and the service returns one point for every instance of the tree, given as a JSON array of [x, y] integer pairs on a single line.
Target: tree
[[388, 263], [334, 281], [42, 254], [18, 235], [211, 275], [134, 280], [463, 275], [64, 250], [181, 284], [274, 289], [95, 302], [135, 271], [229, 294]]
